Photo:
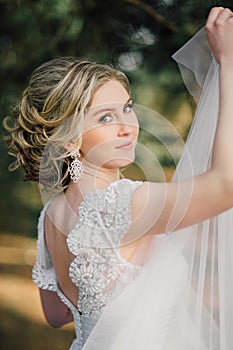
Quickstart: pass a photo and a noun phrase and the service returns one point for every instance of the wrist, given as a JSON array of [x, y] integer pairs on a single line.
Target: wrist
[[226, 64]]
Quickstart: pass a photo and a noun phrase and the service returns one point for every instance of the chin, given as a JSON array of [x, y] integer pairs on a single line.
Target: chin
[[119, 163]]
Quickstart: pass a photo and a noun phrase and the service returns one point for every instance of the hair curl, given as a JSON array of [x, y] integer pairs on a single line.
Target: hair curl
[[50, 114]]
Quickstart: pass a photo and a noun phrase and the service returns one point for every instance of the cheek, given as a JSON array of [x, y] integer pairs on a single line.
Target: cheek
[[136, 130], [94, 139]]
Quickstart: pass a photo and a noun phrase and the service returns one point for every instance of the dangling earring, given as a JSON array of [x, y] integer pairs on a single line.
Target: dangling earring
[[76, 168]]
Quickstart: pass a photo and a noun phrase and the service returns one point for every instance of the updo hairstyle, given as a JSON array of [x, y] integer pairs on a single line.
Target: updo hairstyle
[[51, 114]]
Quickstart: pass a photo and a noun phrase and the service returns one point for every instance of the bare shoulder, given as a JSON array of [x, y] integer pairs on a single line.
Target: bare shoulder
[[146, 194], [146, 206], [60, 215]]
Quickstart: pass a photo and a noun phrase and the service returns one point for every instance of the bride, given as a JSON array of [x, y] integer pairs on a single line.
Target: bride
[[136, 265]]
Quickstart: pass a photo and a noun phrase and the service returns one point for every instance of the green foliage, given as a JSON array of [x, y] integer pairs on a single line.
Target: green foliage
[[136, 36]]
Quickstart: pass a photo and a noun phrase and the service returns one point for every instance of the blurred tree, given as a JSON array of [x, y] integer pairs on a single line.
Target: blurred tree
[[137, 36]]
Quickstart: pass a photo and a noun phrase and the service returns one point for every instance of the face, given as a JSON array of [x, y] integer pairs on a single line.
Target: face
[[110, 128]]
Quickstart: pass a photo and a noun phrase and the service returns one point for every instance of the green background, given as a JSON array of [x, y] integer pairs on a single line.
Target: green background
[[137, 37]]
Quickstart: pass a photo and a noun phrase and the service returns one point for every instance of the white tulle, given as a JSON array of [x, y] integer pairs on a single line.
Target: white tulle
[[182, 299]]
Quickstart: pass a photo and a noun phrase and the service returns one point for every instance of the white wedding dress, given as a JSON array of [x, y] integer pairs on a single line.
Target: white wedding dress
[[98, 270], [181, 297]]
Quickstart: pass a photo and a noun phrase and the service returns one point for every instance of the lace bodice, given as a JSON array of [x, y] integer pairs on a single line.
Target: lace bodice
[[98, 269]]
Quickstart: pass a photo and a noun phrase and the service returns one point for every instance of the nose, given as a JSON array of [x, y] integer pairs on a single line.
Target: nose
[[125, 127]]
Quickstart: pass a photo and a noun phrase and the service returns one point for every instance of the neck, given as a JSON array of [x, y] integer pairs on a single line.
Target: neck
[[99, 176], [94, 177]]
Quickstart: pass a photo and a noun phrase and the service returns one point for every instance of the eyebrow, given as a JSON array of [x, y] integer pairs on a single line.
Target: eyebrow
[[111, 109]]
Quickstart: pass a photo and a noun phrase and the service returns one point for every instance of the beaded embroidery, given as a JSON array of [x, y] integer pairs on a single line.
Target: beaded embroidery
[[98, 269]]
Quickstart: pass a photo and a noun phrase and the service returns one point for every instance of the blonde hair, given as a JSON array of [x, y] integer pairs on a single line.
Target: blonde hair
[[50, 115]]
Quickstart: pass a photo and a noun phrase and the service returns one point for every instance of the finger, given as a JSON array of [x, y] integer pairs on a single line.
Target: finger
[[214, 12], [223, 15]]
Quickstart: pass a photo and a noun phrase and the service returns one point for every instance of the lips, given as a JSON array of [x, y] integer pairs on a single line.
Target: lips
[[125, 145]]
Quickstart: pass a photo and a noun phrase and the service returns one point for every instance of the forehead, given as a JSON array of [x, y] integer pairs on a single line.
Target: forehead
[[110, 92]]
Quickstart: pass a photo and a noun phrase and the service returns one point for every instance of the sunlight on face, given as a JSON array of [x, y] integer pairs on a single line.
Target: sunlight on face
[[110, 128]]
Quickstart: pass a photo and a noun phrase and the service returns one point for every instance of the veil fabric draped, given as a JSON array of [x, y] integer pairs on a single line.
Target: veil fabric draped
[[182, 297]]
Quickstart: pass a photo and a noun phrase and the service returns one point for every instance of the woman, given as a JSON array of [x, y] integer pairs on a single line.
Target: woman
[[101, 237]]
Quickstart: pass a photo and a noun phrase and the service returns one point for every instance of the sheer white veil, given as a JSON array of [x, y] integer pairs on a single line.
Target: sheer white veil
[[182, 299]]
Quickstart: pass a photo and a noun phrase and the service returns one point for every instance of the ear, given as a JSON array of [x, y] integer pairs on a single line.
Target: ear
[[69, 146], [72, 146]]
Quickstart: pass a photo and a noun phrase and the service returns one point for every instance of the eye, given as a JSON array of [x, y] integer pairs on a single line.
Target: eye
[[128, 108], [105, 118]]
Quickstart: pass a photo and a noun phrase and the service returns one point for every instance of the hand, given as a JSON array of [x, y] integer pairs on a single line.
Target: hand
[[219, 30]]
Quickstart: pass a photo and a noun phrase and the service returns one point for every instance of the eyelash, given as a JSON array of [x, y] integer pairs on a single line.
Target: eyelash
[[105, 116], [129, 105]]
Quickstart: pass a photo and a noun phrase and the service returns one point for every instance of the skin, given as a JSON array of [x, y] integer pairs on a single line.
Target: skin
[[177, 205], [110, 124]]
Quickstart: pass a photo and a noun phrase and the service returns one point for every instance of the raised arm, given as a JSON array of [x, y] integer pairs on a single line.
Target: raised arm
[[161, 208], [219, 29]]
